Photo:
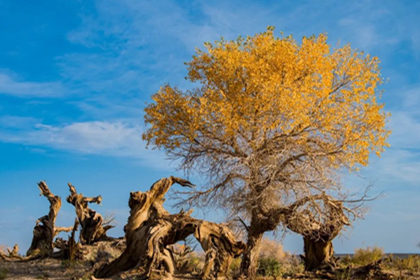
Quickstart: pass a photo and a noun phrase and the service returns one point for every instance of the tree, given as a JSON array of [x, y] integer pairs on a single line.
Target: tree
[[269, 123]]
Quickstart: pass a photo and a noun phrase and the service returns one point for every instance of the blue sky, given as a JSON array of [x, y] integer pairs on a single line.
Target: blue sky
[[75, 76]]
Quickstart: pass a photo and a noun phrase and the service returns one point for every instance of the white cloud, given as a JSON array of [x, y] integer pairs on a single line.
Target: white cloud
[[118, 139], [11, 86]]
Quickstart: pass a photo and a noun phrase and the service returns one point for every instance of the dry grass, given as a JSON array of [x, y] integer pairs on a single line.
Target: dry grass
[[365, 256], [410, 264]]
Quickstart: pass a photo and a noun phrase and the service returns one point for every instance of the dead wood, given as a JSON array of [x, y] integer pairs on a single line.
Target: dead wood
[[13, 255], [91, 222], [45, 229], [318, 226], [151, 229], [69, 249], [17, 258], [73, 246], [220, 247], [14, 251]]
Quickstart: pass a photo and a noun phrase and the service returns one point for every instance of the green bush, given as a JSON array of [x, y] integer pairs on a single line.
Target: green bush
[[268, 266], [366, 256]]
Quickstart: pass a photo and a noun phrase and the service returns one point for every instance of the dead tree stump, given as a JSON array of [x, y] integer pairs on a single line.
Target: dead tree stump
[[151, 229], [91, 222], [45, 230], [318, 228]]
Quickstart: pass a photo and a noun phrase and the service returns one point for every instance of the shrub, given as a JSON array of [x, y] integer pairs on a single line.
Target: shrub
[[366, 256], [412, 263], [291, 265], [268, 266]]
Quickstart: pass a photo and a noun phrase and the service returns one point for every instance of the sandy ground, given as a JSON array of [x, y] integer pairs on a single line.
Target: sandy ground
[[59, 270], [42, 269]]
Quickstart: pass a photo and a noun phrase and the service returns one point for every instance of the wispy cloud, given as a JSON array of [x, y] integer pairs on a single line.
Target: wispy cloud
[[117, 139], [12, 86]]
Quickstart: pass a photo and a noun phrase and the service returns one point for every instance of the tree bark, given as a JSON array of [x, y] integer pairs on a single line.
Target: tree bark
[[249, 264], [317, 252], [91, 222]]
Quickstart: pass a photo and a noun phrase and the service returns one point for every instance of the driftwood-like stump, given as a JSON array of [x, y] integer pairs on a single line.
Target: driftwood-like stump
[[45, 230], [318, 228], [91, 222], [151, 229]]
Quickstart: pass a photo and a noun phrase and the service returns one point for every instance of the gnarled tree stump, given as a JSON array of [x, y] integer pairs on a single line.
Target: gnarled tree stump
[[91, 222], [151, 229], [45, 230], [318, 228]]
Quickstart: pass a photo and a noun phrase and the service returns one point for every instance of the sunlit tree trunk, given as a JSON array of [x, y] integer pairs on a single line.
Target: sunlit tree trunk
[[317, 252]]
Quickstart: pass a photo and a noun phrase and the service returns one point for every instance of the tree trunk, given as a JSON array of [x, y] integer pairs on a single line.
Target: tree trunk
[[317, 252], [249, 264]]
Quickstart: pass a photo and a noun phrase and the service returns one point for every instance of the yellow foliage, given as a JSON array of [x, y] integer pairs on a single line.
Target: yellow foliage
[[262, 89]]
